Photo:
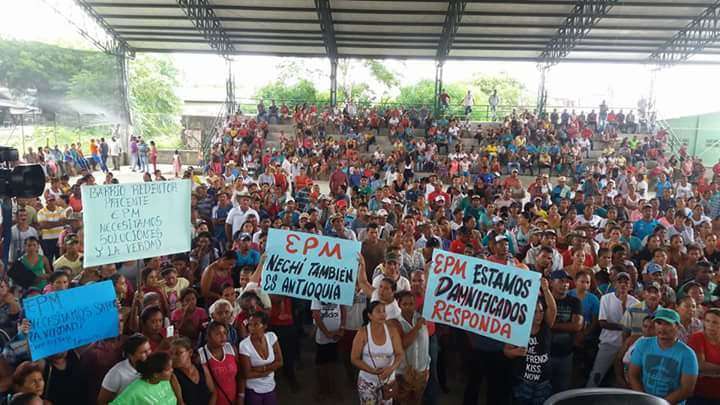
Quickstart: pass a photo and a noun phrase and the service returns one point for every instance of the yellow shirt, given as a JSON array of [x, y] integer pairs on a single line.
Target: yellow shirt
[[51, 216], [74, 266]]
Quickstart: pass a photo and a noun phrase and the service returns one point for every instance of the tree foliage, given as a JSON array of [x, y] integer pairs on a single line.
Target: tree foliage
[[156, 109], [87, 82], [300, 92]]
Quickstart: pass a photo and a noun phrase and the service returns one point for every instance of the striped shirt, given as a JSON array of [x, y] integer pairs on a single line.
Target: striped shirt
[[51, 216]]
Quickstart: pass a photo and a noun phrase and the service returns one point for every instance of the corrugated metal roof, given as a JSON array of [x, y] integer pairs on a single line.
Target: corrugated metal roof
[[630, 31]]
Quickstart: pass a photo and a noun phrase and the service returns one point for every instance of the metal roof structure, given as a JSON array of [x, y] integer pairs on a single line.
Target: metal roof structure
[[544, 31]]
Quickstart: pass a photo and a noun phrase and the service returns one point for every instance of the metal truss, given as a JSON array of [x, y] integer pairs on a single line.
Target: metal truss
[[327, 28], [203, 18], [698, 34], [455, 11], [576, 27], [92, 27]]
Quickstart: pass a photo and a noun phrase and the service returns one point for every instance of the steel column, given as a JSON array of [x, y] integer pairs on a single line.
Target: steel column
[[699, 33], [542, 90], [125, 110], [333, 82], [438, 85], [455, 11], [327, 27], [230, 103]]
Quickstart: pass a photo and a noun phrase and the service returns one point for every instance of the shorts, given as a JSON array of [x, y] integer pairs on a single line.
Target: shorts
[[326, 353]]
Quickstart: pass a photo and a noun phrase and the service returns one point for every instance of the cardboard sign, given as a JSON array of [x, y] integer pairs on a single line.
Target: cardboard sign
[[483, 297], [309, 266], [135, 221], [67, 319]]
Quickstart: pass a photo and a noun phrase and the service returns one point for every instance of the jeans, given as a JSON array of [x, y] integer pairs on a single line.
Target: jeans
[[525, 393], [134, 161], [50, 249], [603, 361], [430, 396], [562, 368], [144, 163], [493, 366]]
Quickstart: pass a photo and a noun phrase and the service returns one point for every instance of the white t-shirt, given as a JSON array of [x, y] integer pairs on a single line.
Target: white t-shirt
[[392, 311], [120, 376], [265, 384], [236, 218], [330, 315], [611, 310], [402, 285]]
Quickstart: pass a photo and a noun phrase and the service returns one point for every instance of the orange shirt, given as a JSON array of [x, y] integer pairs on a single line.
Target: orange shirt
[[93, 149]]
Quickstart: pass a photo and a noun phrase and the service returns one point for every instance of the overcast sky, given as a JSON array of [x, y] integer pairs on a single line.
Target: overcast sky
[[681, 90]]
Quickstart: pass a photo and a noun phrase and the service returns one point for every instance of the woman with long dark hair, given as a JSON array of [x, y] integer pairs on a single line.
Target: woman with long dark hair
[[196, 386], [260, 357], [377, 351]]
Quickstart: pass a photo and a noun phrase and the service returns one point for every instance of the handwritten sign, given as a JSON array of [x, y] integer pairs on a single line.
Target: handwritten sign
[[135, 221], [309, 266], [482, 297], [67, 319]]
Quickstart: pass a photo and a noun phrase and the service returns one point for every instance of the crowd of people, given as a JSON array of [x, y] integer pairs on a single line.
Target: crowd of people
[[627, 245]]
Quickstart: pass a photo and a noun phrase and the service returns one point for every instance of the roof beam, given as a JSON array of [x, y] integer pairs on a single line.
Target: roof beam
[[576, 27], [204, 20], [115, 46], [696, 36], [327, 27], [454, 14]]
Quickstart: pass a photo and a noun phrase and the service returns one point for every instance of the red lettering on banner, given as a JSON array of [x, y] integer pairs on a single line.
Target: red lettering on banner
[[310, 244], [289, 245], [443, 264], [326, 251], [465, 318]]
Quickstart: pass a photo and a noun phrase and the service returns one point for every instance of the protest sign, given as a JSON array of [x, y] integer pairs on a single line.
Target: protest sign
[[483, 297], [135, 221], [67, 319], [310, 266]]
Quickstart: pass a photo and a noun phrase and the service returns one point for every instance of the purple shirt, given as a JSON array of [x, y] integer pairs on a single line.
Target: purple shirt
[[133, 147]]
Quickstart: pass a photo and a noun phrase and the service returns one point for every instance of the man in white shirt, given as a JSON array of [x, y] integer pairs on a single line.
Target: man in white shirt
[[238, 215], [115, 151], [612, 308]]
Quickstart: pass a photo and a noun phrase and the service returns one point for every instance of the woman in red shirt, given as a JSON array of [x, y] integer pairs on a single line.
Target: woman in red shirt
[[220, 362], [706, 345]]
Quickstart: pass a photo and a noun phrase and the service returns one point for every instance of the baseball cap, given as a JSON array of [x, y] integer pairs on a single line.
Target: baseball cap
[[562, 178], [386, 201], [244, 237], [305, 215], [667, 315], [653, 268], [392, 257], [501, 238], [382, 212], [560, 275], [71, 239], [341, 203], [289, 200], [440, 198]]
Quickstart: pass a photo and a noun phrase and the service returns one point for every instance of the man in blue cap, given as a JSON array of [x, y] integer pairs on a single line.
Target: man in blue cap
[[663, 365]]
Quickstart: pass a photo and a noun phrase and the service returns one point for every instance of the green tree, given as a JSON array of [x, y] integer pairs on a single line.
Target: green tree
[[300, 92], [510, 90], [423, 93], [155, 107]]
